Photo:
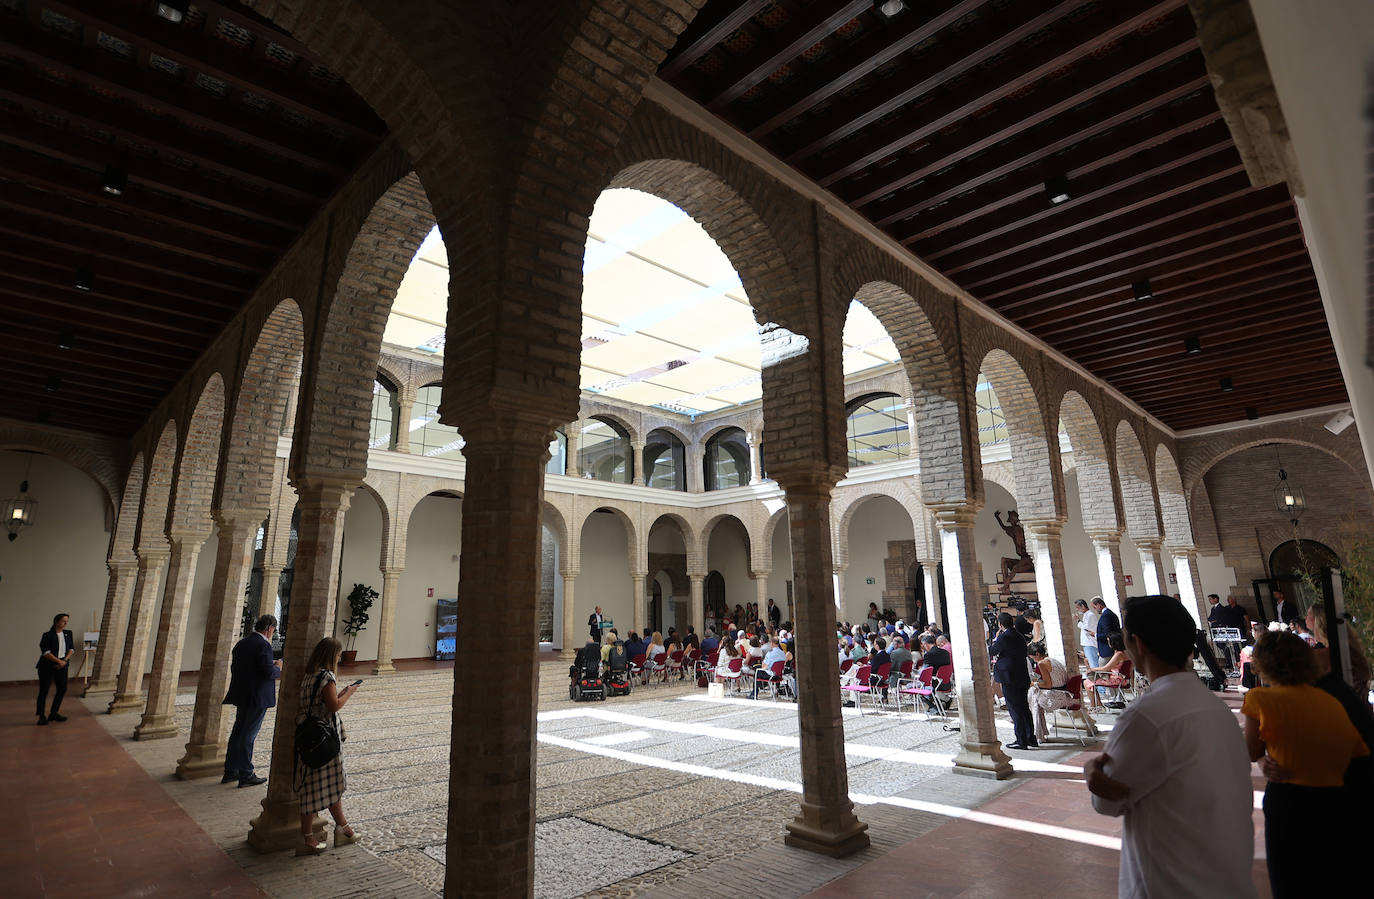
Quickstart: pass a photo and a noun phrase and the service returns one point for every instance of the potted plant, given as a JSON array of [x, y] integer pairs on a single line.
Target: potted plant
[[359, 601]]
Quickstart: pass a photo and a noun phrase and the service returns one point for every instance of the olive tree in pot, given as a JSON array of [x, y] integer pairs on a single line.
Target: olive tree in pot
[[359, 601]]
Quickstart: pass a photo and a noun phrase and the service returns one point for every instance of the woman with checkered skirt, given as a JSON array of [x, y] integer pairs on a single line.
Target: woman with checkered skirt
[[318, 789]]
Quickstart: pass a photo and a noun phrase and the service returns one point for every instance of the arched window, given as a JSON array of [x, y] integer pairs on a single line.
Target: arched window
[[665, 461], [385, 411], [727, 459], [427, 436], [605, 453], [876, 431], [558, 453]]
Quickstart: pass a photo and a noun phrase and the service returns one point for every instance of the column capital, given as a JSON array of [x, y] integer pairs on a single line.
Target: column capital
[[639, 574], [324, 491], [1149, 544], [1183, 552], [1105, 536], [697, 575], [569, 572], [122, 566], [808, 480], [504, 416], [393, 571], [949, 517], [183, 536], [760, 572], [1044, 527], [228, 518], [155, 555]]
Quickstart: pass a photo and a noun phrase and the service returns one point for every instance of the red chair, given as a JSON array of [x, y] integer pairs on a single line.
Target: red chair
[[772, 676], [654, 666], [845, 665], [923, 685], [637, 666], [674, 665], [1075, 709], [860, 687], [878, 680], [706, 665], [735, 673]]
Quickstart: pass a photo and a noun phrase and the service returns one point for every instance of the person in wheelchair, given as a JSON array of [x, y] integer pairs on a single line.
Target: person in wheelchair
[[585, 674]]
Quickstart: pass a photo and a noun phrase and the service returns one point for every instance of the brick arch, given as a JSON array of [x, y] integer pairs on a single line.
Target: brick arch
[[631, 430], [157, 488], [388, 519], [1033, 461], [638, 557], [896, 491], [1003, 475], [1198, 455], [1096, 498], [669, 428], [126, 524], [1173, 503], [99, 467], [399, 380], [904, 306], [553, 519], [689, 535], [770, 529], [260, 400], [198, 467], [1135, 476], [704, 541], [341, 365]]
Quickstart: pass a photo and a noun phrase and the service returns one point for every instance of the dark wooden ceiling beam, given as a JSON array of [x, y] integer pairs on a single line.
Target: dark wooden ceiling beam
[[208, 54], [1158, 385], [852, 63], [36, 405], [72, 147], [1269, 398], [808, 28], [1125, 365], [85, 186], [702, 36], [1074, 109], [92, 353], [17, 248], [41, 272], [172, 358], [112, 317], [150, 89]]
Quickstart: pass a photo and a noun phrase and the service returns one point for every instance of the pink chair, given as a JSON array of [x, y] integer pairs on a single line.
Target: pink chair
[[1075, 709], [860, 687]]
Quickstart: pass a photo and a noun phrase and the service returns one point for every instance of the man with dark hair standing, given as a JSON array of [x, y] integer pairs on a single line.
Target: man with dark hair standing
[[774, 614], [1107, 624], [1285, 608], [1012, 671], [252, 691], [1176, 769]]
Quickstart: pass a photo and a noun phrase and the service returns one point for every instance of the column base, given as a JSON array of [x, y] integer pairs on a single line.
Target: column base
[[156, 727], [278, 828], [983, 760], [126, 702], [842, 835], [201, 760], [99, 688], [567, 655], [384, 668]]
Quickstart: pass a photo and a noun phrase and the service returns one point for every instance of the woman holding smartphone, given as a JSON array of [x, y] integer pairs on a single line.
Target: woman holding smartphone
[[323, 788]]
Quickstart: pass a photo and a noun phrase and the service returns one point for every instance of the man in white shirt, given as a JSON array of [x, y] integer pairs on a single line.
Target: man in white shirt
[[1176, 769], [1087, 632]]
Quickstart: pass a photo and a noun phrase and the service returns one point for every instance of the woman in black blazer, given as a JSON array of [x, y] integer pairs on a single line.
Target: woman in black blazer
[[56, 646]]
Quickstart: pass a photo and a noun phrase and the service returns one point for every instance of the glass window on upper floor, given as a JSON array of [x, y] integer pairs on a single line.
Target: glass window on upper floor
[[665, 461], [385, 411], [605, 453], [877, 429], [727, 460], [427, 436], [558, 453], [992, 426]]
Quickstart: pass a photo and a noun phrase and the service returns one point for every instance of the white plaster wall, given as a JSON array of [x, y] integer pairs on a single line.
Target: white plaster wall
[[362, 553], [432, 544], [781, 571], [877, 521], [990, 543], [666, 538], [200, 605], [1080, 559], [1219, 578], [56, 566], [728, 553], [604, 579]]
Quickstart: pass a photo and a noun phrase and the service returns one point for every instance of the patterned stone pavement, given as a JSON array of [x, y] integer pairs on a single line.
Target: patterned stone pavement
[[710, 785]]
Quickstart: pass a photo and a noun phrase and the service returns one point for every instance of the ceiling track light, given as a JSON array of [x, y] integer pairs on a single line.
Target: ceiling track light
[[1251, 413], [1057, 189], [889, 8], [1192, 345], [1227, 386], [1142, 289], [66, 339], [116, 179], [173, 10], [54, 384], [84, 280]]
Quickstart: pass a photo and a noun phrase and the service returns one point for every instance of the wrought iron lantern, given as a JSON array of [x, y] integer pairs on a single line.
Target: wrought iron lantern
[[19, 511], [1288, 496]]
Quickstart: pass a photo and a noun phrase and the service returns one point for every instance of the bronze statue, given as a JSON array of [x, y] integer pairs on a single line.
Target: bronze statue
[[1013, 566]]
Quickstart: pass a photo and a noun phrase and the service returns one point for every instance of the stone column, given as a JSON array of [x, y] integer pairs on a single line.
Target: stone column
[[386, 620], [323, 502], [1052, 586], [129, 685], [930, 579], [233, 565], [913, 448], [158, 721], [570, 641], [980, 751], [492, 755], [640, 615], [696, 474], [826, 822], [270, 594], [1190, 583], [1107, 545], [574, 432], [761, 591], [1152, 561], [405, 411], [696, 612], [837, 580], [755, 460], [638, 467], [288, 428], [113, 623]]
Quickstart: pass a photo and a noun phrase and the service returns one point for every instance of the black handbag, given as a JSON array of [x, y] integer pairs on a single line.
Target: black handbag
[[317, 740]]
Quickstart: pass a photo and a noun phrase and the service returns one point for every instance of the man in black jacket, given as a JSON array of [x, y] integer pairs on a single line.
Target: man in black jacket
[[252, 691], [1012, 671], [1107, 624], [56, 646], [594, 625]]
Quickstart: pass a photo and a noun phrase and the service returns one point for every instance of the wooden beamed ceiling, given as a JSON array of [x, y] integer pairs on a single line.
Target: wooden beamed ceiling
[[230, 137], [942, 124]]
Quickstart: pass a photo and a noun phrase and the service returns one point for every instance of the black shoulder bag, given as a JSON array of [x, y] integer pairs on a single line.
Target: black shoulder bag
[[317, 740]]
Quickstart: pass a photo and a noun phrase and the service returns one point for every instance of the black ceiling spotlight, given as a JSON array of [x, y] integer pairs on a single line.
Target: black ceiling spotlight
[[889, 8], [54, 383], [1251, 413], [116, 179], [1057, 189], [85, 279], [1192, 345], [173, 10], [66, 339], [1142, 290], [1227, 386]]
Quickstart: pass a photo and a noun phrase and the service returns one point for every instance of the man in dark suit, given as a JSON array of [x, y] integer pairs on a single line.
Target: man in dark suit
[[252, 691], [56, 646], [594, 625], [1107, 624], [1012, 671], [1286, 609], [774, 614]]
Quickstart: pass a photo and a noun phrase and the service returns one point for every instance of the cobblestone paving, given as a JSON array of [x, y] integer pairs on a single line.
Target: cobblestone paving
[[706, 782]]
